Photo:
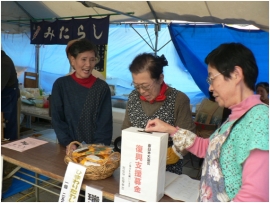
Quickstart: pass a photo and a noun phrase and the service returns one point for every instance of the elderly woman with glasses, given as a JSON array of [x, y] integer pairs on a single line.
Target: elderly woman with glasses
[[236, 166], [81, 103], [152, 98]]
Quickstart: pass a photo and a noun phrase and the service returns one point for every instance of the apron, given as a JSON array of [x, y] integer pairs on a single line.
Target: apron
[[87, 124], [212, 184]]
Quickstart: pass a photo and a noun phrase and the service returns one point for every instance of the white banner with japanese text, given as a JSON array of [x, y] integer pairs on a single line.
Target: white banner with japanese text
[[72, 183]]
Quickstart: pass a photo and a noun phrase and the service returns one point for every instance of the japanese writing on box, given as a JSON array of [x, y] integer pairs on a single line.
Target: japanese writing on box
[[129, 173], [138, 168], [123, 178], [149, 154]]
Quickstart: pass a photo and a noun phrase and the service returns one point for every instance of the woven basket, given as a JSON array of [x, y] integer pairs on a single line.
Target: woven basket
[[97, 172]]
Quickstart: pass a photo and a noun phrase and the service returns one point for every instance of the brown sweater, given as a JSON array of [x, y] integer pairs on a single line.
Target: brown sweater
[[182, 111]]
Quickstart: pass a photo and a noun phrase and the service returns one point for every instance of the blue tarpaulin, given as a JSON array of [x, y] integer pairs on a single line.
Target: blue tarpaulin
[[194, 42], [19, 185]]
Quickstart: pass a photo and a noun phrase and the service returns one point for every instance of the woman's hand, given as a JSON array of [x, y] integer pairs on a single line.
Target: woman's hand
[[158, 125], [72, 148]]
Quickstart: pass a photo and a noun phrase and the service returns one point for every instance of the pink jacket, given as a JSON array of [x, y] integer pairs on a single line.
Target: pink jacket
[[255, 185]]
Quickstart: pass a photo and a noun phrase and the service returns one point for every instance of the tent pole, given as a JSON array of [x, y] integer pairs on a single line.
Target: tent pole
[[92, 4], [157, 25], [164, 45], [157, 28], [141, 37], [37, 62]]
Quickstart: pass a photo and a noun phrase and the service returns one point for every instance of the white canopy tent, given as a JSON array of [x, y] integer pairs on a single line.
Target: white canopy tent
[[14, 14]]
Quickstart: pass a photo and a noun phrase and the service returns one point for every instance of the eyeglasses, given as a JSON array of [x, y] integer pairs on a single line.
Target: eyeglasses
[[210, 80], [142, 86]]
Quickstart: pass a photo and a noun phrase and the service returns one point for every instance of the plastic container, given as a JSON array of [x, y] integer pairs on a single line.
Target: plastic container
[[39, 103]]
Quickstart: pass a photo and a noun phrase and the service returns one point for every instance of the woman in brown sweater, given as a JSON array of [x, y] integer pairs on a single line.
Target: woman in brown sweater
[[152, 98]]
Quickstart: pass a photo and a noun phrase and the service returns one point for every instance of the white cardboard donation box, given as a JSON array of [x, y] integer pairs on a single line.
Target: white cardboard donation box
[[143, 164]]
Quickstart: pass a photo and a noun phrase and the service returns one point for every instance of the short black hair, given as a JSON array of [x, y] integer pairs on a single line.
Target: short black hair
[[148, 62], [228, 55], [81, 46]]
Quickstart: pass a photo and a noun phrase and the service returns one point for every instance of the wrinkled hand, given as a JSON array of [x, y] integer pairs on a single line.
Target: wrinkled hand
[[158, 125], [72, 148]]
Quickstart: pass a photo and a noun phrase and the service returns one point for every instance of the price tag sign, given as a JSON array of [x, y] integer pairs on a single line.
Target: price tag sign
[[72, 183], [93, 194]]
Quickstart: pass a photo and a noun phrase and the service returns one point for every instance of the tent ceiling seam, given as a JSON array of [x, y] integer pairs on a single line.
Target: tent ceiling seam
[[210, 14], [95, 10], [91, 4], [84, 16], [153, 11], [20, 6]]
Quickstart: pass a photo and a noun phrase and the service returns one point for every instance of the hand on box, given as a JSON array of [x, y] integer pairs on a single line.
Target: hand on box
[[158, 125]]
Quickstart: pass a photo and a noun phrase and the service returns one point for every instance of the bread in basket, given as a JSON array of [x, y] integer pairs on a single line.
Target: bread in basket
[[100, 160]]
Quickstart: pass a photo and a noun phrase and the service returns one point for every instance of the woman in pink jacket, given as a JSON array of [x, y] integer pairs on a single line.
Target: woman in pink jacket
[[236, 156]]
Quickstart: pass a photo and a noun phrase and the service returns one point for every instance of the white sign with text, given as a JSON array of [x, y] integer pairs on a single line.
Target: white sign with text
[[93, 194], [72, 183]]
